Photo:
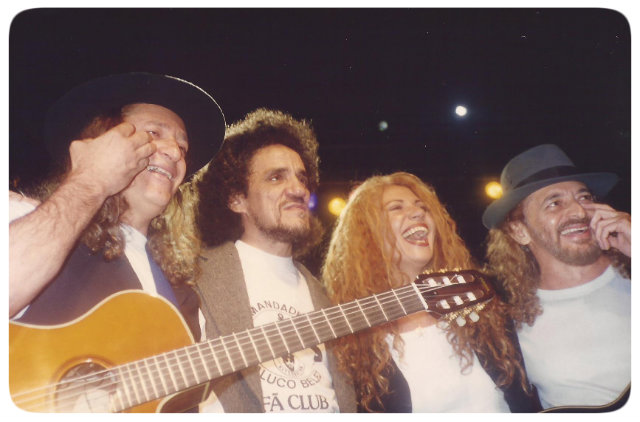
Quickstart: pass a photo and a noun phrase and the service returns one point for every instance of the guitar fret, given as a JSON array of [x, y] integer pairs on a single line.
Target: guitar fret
[[203, 361], [391, 306], [373, 311], [233, 368], [117, 403], [357, 319], [149, 371], [244, 359], [399, 302], [258, 356], [215, 357], [380, 305], [268, 342], [192, 365], [134, 386], [144, 381], [329, 323], [313, 328], [295, 330], [284, 341], [178, 364], [306, 331], [345, 317], [363, 313], [164, 385], [125, 386], [168, 369]]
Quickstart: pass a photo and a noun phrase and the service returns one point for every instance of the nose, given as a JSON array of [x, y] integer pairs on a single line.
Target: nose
[[416, 212], [170, 148], [297, 188], [576, 209]]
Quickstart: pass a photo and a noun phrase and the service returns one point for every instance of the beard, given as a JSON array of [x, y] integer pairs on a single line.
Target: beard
[[283, 233], [585, 254]]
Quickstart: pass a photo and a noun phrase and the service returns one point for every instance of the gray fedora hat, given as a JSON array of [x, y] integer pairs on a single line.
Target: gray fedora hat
[[534, 169], [201, 114]]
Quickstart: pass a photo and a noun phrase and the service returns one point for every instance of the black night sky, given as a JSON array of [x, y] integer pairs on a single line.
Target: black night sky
[[527, 76]]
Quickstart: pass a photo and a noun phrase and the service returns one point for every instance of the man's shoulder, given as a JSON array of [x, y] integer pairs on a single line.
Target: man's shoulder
[[224, 250]]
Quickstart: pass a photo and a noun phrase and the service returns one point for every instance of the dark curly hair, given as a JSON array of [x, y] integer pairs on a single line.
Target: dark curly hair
[[228, 172]]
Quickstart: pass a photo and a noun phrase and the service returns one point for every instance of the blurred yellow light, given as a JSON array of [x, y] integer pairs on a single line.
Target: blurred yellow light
[[336, 205], [493, 190]]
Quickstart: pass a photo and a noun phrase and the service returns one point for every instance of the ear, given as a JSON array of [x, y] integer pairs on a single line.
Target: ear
[[519, 232], [237, 203]]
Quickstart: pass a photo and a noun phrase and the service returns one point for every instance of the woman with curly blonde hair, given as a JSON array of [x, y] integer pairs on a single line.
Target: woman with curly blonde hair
[[392, 229]]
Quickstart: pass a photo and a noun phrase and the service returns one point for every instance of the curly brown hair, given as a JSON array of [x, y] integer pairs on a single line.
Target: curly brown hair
[[173, 237], [357, 264], [228, 172]]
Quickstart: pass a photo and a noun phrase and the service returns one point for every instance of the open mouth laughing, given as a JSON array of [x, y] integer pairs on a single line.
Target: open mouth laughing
[[159, 170], [417, 235]]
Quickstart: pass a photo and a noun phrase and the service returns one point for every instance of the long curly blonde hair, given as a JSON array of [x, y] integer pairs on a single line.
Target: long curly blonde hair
[[173, 237], [358, 264]]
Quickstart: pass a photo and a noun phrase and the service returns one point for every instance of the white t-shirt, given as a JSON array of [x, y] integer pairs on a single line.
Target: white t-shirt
[[578, 352], [436, 382], [300, 382]]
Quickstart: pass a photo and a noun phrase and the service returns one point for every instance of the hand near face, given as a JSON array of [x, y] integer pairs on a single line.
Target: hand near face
[[109, 162], [612, 229]]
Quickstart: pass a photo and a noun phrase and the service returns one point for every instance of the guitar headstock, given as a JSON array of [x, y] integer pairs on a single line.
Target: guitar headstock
[[455, 295]]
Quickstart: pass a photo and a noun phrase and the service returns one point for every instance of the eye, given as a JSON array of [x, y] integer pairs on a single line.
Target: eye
[[585, 197], [153, 133], [553, 204]]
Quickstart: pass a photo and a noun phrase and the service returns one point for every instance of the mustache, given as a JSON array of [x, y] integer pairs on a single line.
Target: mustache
[[574, 221], [295, 200]]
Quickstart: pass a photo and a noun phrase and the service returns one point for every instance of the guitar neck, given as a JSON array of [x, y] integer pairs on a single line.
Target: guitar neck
[[180, 369]]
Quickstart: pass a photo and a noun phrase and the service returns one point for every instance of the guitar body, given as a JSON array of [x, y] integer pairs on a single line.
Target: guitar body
[[125, 327]]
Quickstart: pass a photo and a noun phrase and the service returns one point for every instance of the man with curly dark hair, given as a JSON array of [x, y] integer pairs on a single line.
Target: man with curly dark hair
[[111, 220], [558, 255], [254, 217]]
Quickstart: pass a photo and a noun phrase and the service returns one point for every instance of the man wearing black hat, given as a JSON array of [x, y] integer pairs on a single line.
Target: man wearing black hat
[[109, 223], [562, 260]]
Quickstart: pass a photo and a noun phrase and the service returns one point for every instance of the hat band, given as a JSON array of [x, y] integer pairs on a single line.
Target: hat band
[[549, 173]]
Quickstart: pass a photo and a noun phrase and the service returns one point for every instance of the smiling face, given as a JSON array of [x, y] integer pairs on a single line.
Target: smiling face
[[152, 189], [556, 226], [412, 226], [275, 211]]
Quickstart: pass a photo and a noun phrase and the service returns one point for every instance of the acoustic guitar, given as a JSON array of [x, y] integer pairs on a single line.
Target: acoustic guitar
[[134, 352]]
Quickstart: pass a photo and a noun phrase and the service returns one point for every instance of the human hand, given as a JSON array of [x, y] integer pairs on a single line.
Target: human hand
[[612, 229], [110, 161]]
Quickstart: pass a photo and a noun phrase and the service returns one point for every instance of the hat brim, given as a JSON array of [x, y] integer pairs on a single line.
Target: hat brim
[[598, 183], [200, 113]]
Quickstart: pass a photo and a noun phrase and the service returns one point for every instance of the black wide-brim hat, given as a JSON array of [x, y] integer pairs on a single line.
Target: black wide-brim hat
[[535, 169], [200, 113]]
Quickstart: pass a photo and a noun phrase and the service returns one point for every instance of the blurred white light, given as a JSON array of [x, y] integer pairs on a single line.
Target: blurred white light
[[382, 126], [461, 111]]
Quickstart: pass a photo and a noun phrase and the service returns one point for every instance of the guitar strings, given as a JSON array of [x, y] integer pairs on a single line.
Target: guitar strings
[[190, 354], [221, 340], [69, 389]]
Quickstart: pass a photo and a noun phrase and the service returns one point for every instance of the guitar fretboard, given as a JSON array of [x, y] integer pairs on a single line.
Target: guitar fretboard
[[177, 370]]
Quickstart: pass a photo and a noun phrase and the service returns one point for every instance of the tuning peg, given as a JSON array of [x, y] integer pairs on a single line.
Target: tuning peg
[[473, 316], [461, 321]]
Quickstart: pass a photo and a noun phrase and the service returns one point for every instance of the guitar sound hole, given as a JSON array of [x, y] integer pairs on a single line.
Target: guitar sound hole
[[86, 388]]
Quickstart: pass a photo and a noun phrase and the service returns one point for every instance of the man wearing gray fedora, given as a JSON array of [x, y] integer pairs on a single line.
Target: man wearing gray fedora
[[562, 261]]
